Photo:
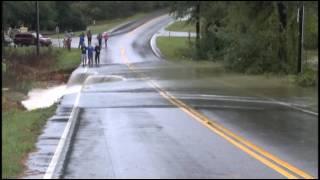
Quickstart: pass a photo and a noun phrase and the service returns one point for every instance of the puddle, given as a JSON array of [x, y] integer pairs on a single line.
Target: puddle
[[42, 98]]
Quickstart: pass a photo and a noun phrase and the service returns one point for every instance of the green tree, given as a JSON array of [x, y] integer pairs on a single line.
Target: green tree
[[251, 36], [311, 25], [69, 17], [193, 10]]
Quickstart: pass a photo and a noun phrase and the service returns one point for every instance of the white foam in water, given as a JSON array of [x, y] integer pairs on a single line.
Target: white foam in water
[[72, 89], [41, 98]]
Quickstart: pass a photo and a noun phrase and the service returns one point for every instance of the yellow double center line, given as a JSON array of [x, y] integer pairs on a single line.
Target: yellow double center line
[[256, 152]]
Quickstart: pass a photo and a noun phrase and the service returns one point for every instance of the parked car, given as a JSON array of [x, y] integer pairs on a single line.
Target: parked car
[[28, 39], [44, 41]]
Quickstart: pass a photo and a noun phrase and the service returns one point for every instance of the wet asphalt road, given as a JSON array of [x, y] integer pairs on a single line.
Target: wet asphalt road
[[129, 130]]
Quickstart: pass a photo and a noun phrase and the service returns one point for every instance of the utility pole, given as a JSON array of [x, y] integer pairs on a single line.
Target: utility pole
[[300, 50], [3, 29], [198, 20], [37, 26], [57, 31], [198, 26]]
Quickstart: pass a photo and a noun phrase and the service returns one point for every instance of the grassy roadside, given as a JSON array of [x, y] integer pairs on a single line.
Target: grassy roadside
[[23, 65], [102, 26], [177, 49], [67, 59], [24, 71], [20, 130], [181, 26]]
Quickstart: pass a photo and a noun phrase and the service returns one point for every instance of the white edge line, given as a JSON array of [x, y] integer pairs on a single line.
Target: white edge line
[[154, 47], [62, 142], [296, 108], [153, 43], [292, 106], [266, 102]]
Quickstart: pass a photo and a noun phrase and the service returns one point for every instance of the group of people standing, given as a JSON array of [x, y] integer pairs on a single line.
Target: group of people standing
[[88, 50]]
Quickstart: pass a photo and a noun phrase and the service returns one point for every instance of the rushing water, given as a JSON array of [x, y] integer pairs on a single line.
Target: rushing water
[[42, 98]]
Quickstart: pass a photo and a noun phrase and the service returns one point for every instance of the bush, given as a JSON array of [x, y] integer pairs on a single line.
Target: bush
[[311, 26], [307, 78], [22, 62], [213, 45], [27, 55], [252, 54]]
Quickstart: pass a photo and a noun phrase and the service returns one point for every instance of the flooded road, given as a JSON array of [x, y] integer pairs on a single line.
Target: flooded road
[[144, 117]]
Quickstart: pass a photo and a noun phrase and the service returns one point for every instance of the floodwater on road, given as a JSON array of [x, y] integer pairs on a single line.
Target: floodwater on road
[[211, 78]]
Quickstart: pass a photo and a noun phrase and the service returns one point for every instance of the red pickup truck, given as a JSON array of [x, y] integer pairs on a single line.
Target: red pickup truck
[[28, 39]]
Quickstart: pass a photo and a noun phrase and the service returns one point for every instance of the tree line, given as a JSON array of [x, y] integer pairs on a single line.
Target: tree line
[[247, 36], [70, 15], [251, 36]]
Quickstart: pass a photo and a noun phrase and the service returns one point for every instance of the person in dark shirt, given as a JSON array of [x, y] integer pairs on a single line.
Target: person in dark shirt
[[106, 37], [81, 42], [83, 54], [90, 55], [89, 35], [97, 57], [99, 37]]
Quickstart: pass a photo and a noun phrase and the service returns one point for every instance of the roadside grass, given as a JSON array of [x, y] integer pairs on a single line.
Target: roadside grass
[[23, 66], [175, 48], [27, 55], [50, 58], [182, 26], [103, 25], [67, 59], [20, 130]]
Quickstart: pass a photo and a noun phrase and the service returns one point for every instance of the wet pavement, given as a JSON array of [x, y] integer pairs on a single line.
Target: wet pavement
[[129, 129]]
